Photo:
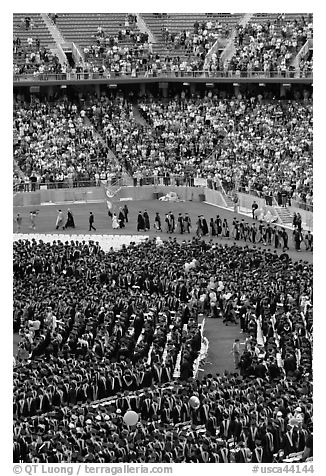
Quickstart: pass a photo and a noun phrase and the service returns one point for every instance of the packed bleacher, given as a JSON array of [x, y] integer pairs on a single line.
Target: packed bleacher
[[171, 44], [270, 45], [103, 334], [55, 144], [206, 136]]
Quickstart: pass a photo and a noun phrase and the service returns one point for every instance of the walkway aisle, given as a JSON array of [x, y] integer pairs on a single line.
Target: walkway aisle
[[221, 338]]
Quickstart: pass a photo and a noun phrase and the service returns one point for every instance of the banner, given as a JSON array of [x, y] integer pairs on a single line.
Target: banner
[[200, 182]]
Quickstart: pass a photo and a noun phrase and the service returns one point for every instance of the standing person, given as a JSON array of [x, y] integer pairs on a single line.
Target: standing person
[[59, 221], [70, 223], [212, 227], [140, 222], [32, 220], [116, 221], [199, 230], [167, 224], [285, 239], [157, 222], [299, 222], [268, 234], [91, 221], [297, 239], [187, 223], [18, 223], [121, 218], [180, 228], [204, 225], [261, 229], [294, 222], [172, 222], [236, 353], [308, 240], [218, 225], [126, 211], [253, 233], [276, 238], [242, 230], [254, 207], [225, 226], [236, 203], [146, 220]]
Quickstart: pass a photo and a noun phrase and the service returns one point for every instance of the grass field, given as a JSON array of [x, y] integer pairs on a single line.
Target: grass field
[[220, 337]]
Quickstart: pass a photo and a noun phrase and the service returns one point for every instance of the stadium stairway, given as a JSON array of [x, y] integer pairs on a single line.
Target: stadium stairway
[[284, 215], [57, 38], [229, 50], [143, 27], [221, 43], [229, 201], [177, 22], [111, 157]]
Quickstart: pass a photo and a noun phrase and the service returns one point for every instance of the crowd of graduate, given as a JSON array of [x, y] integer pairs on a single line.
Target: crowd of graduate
[[103, 334]]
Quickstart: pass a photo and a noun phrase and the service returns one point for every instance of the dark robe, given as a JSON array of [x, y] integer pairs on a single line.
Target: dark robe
[[146, 220], [140, 222], [121, 219], [204, 226], [70, 221]]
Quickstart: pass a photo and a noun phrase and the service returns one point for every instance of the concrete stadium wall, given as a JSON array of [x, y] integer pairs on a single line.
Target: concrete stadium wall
[[149, 192], [72, 194], [245, 201], [58, 196], [146, 192], [214, 198], [307, 217]]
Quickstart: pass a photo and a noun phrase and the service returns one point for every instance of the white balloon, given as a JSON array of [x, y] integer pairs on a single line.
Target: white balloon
[[194, 402], [130, 418]]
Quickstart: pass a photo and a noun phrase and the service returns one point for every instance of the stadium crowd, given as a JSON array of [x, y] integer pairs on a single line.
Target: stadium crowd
[[124, 328], [130, 51], [187, 137], [55, 144], [34, 58], [270, 46]]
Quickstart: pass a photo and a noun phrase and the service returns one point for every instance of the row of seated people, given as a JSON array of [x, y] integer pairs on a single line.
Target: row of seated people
[[269, 46], [33, 58], [111, 327]]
